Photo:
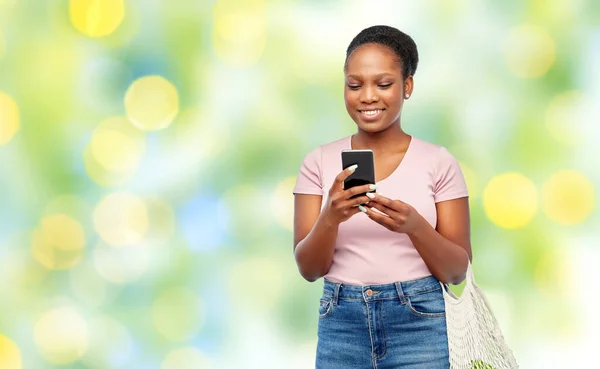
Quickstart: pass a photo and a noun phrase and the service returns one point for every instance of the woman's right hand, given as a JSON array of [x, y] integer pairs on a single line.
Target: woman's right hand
[[340, 207]]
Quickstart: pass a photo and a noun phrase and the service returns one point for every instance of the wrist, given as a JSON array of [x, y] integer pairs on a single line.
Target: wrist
[[421, 226], [327, 220]]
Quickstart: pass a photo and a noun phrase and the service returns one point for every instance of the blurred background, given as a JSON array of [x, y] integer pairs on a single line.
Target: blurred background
[[148, 151]]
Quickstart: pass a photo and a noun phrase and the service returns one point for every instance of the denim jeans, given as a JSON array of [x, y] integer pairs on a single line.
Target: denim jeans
[[396, 325]]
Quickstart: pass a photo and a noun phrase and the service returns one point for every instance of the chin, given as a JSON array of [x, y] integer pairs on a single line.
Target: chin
[[372, 127]]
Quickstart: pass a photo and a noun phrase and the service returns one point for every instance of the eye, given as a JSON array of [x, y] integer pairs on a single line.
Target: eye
[[354, 87], [385, 85]]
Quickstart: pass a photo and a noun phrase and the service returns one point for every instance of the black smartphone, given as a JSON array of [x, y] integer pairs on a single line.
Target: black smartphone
[[364, 174]]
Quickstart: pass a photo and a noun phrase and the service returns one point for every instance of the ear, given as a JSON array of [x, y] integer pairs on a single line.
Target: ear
[[408, 86]]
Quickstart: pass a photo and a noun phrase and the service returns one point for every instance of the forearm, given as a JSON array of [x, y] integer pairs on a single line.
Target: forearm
[[314, 254], [445, 259]]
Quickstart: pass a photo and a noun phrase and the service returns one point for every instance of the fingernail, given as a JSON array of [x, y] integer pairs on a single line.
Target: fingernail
[[370, 195], [352, 168], [374, 187], [362, 208]]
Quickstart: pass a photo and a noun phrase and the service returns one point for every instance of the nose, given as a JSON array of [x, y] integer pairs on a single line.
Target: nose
[[368, 95]]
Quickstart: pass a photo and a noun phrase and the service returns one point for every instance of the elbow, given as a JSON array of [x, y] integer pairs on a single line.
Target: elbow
[[311, 274], [455, 279], [307, 270], [452, 279], [458, 274], [309, 277]]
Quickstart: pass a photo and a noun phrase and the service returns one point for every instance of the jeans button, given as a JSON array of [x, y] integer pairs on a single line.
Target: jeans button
[[369, 293]]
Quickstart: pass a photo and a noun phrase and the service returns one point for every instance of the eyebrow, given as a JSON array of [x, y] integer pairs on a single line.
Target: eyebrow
[[376, 76]]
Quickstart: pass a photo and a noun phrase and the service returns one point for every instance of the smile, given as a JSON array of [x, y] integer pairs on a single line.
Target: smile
[[371, 113]]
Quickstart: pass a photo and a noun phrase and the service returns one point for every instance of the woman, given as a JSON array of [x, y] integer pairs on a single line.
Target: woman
[[382, 304]]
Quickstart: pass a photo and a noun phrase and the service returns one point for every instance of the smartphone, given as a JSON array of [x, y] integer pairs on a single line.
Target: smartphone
[[364, 174]]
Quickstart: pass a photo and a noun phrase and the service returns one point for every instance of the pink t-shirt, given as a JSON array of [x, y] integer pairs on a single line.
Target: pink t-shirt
[[365, 251]]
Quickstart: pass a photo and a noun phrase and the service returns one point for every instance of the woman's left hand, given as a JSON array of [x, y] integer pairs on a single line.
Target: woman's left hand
[[397, 216]]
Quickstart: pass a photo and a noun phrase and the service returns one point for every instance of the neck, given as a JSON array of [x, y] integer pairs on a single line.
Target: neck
[[392, 139]]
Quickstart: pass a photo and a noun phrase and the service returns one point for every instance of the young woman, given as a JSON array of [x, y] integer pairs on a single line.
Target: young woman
[[382, 304]]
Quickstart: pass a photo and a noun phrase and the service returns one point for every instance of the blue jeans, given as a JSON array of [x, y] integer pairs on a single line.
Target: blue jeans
[[396, 325]]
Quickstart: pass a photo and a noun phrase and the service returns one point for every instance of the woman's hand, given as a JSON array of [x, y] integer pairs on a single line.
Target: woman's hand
[[395, 215], [340, 207]]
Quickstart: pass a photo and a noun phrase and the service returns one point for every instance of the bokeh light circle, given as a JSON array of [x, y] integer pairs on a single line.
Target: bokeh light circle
[[186, 358], [64, 232], [117, 145], [61, 336], [99, 174], [9, 118], [121, 219], [88, 286], [110, 344], [96, 18], [177, 314], [529, 51], [115, 151], [510, 200], [59, 242], [121, 265], [10, 355], [151, 103], [568, 197]]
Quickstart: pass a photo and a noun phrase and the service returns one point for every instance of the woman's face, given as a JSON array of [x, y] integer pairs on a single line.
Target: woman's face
[[374, 91]]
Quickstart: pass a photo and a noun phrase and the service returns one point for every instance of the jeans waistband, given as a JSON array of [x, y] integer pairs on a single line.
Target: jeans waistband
[[397, 290]]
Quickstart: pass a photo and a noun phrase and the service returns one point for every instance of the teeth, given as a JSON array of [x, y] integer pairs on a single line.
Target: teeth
[[371, 112]]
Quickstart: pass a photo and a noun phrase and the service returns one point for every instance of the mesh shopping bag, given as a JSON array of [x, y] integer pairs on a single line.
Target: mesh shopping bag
[[474, 337]]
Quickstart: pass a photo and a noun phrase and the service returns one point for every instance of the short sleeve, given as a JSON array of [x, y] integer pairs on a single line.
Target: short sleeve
[[309, 180], [449, 182]]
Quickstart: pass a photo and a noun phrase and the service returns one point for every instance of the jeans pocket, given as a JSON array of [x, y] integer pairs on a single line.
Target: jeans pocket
[[428, 304], [325, 307]]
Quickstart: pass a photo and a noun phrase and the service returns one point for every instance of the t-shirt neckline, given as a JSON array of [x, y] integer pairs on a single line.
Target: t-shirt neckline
[[400, 165]]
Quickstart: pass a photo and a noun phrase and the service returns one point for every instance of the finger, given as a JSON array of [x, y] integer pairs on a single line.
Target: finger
[[357, 209], [360, 189], [382, 219], [361, 200], [384, 209], [345, 174], [385, 201]]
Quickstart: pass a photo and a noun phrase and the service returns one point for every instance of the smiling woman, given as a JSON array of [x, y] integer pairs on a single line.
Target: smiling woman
[[382, 304]]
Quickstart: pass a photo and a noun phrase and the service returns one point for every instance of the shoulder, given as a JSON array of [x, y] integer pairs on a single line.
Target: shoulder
[[317, 166], [448, 180], [435, 156], [429, 150]]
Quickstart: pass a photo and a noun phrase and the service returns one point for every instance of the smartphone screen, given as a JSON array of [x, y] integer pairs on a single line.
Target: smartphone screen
[[364, 174]]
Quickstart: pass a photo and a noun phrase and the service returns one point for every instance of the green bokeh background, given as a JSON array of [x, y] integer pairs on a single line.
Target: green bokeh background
[[260, 84]]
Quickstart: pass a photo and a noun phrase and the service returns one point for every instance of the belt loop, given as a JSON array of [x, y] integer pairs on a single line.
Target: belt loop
[[401, 295], [336, 293]]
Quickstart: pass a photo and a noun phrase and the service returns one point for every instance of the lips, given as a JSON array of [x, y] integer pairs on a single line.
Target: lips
[[370, 114]]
